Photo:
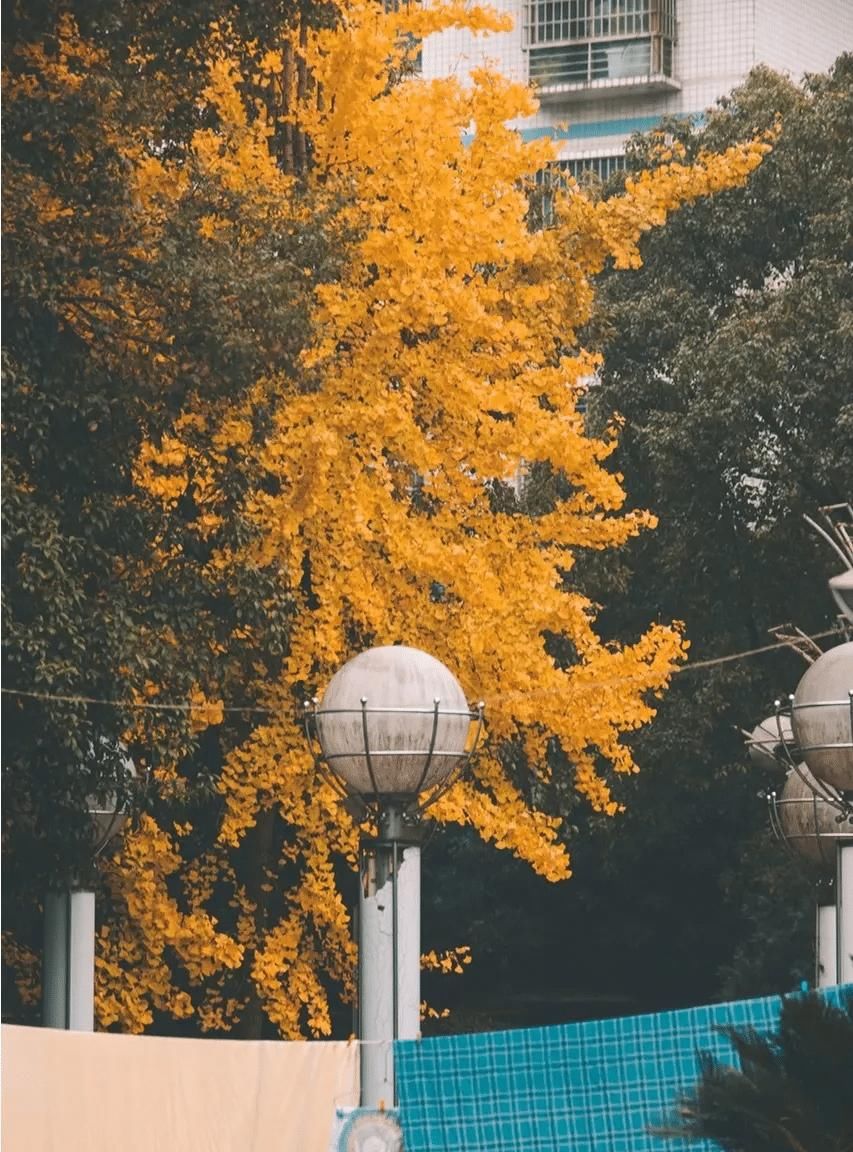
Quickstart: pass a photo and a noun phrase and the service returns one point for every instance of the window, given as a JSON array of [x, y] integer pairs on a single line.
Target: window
[[572, 43], [602, 166], [580, 168]]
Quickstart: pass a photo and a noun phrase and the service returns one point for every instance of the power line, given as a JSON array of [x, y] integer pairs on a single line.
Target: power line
[[143, 705], [258, 710], [752, 652]]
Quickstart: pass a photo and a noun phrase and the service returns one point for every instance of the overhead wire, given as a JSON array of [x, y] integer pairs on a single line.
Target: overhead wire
[[261, 710]]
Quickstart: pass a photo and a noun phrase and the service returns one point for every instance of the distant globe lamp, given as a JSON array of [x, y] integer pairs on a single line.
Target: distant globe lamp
[[806, 821], [841, 587], [770, 742]]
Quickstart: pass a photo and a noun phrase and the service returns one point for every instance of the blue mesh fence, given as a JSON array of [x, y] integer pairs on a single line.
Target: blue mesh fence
[[596, 1086]]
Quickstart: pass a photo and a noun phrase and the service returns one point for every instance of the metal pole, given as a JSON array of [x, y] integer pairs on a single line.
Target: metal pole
[[409, 944], [389, 982], [826, 947], [375, 976], [395, 938], [54, 981], [68, 982], [844, 904]]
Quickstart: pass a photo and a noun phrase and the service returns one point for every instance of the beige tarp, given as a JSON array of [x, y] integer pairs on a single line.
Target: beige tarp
[[85, 1092]]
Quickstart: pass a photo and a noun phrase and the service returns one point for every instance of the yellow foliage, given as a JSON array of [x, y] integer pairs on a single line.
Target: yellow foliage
[[204, 713], [430, 1013], [444, 356], [435, 349], [452, 960], [27, 969], [132, 967]]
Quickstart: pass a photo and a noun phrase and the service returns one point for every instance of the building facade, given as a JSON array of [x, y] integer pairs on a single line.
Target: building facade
[[605, 69]]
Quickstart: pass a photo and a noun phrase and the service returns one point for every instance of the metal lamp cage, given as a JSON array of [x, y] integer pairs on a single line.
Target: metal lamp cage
[[814, 844], [374, 801], [792, 756], [107, 821], [765, 740], [112, 804]]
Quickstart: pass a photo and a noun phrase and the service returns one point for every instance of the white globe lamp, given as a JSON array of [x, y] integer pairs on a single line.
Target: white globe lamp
[[394, 724], [822, 717]]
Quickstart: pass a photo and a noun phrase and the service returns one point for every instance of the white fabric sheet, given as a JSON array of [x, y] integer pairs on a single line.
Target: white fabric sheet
[[99, 1092]]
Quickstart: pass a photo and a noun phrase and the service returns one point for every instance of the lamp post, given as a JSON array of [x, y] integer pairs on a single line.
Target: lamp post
[[814, 814], [812, 736], [807, 824], [68, 974], [394, 732], [822, 717]]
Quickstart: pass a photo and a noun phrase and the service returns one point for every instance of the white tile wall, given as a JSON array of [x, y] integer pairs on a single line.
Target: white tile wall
[[718, 42], [715, 50], [456, 52], [804, 36]]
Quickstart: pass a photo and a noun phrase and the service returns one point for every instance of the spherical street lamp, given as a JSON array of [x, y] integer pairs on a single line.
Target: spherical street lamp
[[822, 716], [812, 829], [394, 732], [805, 821], [394, 724], [108, 811], [769, 741], [814, 814]]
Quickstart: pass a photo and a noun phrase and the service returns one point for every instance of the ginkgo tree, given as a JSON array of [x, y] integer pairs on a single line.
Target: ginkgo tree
[[361, 468]]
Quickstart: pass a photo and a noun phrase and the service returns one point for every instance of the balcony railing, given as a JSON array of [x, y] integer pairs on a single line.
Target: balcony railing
[[582, 44]]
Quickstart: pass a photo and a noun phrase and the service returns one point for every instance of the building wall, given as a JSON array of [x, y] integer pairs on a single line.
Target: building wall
[[456, 52], [798, 36], [719, 41], [715, 50]]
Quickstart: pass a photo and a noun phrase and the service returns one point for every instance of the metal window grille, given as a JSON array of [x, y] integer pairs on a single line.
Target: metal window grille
[[601, 166], [548, 179], [579, 41]]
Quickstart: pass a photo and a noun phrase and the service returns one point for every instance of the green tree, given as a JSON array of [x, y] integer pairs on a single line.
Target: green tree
[[279, 366], [791, 1091], [729, 356], [118, 312]]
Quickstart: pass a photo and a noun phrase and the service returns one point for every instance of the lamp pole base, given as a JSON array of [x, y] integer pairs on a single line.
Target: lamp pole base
[[68, 980]]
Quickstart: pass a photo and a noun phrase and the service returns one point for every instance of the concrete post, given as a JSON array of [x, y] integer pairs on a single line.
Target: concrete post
[[409, 944], [844, 905], [68, 979], [825, 952], [389, 961]]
